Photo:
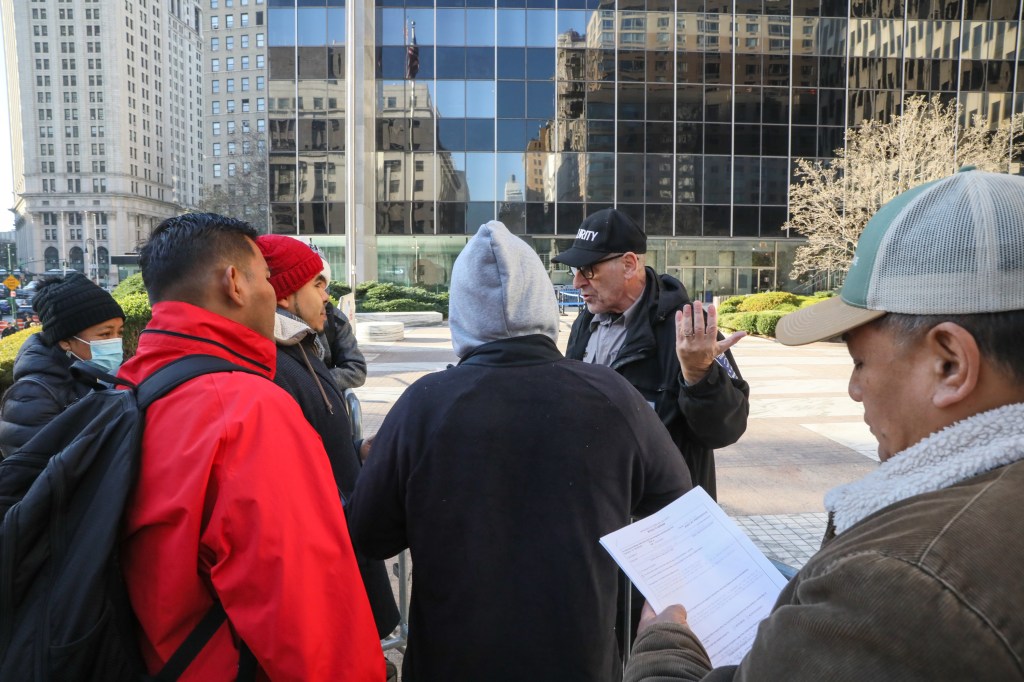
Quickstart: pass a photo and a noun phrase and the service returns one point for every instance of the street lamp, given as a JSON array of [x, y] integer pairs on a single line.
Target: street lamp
[[90, 248]]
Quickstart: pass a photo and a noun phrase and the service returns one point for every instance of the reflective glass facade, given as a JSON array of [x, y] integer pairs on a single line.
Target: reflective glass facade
[[687, 114]]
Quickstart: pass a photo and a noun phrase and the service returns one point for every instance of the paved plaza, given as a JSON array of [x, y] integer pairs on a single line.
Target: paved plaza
[[804, 436]]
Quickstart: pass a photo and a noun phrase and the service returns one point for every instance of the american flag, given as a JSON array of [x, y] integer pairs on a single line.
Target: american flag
[[412, 55]]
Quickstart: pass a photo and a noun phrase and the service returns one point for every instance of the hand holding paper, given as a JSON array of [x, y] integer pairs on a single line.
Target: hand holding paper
[[691, 553]]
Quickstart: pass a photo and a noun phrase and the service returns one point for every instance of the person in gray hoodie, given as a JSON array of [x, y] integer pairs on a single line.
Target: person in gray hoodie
[[500, 474]]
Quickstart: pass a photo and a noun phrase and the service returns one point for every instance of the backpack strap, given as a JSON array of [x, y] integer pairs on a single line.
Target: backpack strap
[[152, 388], [180, 371]]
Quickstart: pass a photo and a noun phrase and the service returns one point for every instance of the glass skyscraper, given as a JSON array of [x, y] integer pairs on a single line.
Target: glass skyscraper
[[415, 121]]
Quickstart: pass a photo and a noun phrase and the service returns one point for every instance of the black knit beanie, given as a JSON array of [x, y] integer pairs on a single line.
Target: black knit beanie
[[70, 305]]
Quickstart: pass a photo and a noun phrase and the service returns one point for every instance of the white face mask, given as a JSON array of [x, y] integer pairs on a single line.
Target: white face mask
[[107, 354]]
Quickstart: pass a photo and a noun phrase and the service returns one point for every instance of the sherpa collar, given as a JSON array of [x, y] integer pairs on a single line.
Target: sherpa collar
[[963, 450], [288, 329]]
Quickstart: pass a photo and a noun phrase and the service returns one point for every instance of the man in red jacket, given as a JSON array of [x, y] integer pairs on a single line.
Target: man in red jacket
[[235, 499]]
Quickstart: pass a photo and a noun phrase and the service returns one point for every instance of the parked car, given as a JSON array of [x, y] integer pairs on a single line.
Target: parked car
[[25, 312], [5, 306]]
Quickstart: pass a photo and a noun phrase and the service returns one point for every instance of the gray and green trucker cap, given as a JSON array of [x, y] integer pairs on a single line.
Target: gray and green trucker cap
[[952, 246]]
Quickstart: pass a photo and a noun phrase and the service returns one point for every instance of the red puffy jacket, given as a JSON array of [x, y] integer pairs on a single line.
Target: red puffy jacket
[[236, 497]]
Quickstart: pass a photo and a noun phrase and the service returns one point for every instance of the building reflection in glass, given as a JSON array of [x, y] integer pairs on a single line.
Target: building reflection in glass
[[687, 114]]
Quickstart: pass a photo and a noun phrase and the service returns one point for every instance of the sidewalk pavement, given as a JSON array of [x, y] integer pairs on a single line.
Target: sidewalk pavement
[[804, 435]]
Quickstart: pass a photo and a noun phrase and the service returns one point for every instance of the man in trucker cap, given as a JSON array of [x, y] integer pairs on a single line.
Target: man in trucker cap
[[919, 575]]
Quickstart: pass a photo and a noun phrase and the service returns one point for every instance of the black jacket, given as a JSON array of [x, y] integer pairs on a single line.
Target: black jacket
[[341, 351], [710, 414], [501, 474], [43, 388], [323, 404]]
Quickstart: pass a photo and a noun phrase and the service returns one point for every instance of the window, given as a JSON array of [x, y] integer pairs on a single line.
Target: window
[[261, 125], [215, 107], [245, 84], [232, 148], [229, 43], [216, 127], [261, 104], [214, 22], [214, 44], [230, 85], [261, 40], [231, 127], [260, 61], [230, 106], [229, 64], [214, 65], [260, 81], [229, 21], [216, 148], [232, 170], [245, 62], [244, 19], [245, 104], [216, 170], [215, 86], [244, 42]]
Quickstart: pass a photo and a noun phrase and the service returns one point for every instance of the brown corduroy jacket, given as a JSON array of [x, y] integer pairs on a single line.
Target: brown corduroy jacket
[[930, 588]]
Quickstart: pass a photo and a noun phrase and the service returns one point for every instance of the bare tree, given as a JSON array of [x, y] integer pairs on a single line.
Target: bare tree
[[832, 201], [242, 191]]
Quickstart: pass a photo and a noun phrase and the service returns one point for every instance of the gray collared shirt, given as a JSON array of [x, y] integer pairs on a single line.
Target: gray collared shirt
[[608, 333]]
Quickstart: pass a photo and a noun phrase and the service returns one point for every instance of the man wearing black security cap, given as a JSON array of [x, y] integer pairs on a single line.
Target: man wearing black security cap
[[643, 325]]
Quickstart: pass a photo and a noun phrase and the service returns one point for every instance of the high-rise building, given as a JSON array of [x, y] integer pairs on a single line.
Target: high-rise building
[[687, 114], [106, 110], [235, 119]]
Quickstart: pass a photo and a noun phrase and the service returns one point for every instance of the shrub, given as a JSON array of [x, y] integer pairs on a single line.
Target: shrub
[[9, 348], [396, 305], [767, 300], [375, 295], [362, 288], [809, 301], [739, 322], [131, 285], [767, 321], [137, 314], [786, 308], [384, 291], [338, 289], [824, 294]]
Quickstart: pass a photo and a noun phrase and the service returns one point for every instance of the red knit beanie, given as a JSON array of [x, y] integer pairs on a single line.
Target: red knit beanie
[[292, 263]]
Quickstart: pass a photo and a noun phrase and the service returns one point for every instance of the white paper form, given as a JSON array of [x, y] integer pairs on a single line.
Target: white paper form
[[691, 553]]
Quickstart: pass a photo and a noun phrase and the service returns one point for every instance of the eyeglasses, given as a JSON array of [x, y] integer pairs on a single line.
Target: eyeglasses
[[588, 270]]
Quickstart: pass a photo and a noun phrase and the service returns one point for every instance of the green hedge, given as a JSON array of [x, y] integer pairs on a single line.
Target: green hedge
[[337, 290], [129, 286], [766, 322], [137, 314], [386, 297], [9, 348], [768, 300]]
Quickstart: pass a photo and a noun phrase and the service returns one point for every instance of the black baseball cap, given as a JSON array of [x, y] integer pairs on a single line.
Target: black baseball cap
[[602, 233]]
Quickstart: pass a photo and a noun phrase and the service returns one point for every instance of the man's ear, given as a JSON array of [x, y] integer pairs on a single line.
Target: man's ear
[[285, 303], [233, 285], [631, 263], [955, 363]]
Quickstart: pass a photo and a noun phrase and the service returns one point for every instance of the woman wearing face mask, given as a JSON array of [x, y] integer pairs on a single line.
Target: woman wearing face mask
[[80, 321]]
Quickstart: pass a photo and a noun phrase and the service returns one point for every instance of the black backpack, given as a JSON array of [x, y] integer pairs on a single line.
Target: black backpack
[[64, 608]]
